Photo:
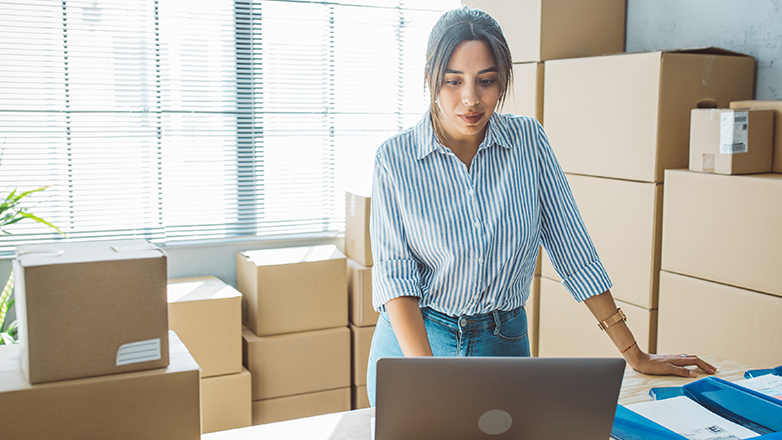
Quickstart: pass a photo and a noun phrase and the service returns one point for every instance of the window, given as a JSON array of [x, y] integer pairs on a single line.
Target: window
[[183, 120]]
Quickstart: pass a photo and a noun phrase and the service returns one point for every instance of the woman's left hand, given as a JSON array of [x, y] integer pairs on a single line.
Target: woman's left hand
[[668, 365]]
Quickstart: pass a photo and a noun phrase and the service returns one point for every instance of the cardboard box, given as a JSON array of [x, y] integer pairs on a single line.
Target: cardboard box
[[628, 116], [541, 30], [568, 328], [304, 405], [361, 342], [724, 228], [358, 245], [624, 219], [293, 289], [526, 95], [707, 318], [297, 363], [360, 397], [206, 313], [362, 313], [150, 404], [777, 107], [726, 141], [91, 308], [226, 401], [532, 308]]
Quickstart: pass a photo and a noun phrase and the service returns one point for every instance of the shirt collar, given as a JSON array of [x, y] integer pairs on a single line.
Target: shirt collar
[[427, 141]]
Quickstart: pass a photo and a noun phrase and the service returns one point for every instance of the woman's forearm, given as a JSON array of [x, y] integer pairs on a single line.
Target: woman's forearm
[[602, 306], [408, 325]]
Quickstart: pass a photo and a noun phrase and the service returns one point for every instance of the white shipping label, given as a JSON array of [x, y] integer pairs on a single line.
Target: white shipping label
[[734, 129], [142, 351]]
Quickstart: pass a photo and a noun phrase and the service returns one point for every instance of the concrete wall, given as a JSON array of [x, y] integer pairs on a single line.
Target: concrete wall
[[753, 27]]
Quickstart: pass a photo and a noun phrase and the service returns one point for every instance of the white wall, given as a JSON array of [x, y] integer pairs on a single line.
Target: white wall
[[753, 27]]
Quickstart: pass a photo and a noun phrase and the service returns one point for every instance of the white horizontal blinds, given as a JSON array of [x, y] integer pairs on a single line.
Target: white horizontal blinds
[[292, 70], [199, 196], [181, 120], [75, 115], [32, 97]]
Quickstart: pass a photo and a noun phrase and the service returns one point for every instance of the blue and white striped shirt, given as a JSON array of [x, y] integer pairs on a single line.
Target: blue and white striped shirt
[[466, 242]]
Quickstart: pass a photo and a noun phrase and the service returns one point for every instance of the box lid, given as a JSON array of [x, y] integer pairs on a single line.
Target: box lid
[[13, 377], [199, 288], [292, 255], [89, 251]]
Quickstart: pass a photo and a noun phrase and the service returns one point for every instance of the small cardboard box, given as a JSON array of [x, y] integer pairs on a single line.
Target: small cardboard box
[[526, 96], [726, 141], [91, 308], [627, 116], [568, 329], [207, 315], [540, 30], [358, 245], [776, 106], [624, 219], [360, 397], [304, 405], [361, 342], [703, 317], [724, 228], [144, 405], [293, 289], [362, 313], [297, 363], [226, 401]]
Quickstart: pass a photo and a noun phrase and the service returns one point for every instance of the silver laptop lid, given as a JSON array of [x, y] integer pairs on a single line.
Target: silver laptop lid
[[473, 398]]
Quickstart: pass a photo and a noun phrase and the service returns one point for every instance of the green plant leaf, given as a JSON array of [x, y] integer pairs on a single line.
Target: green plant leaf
[[40, 220], [6, 339], [5, 299]]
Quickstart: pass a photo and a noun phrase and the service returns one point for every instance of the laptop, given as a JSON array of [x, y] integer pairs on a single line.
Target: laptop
[[475, 398]]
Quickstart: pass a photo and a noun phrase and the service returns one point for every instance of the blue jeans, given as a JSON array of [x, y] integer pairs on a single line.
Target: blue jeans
[[499, 333]]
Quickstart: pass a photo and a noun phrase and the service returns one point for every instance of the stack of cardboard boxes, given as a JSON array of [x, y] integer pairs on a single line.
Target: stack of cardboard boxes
[[721, 279], [615, 123], [96, 357], [296, 340], [362, 315], [207, 315]]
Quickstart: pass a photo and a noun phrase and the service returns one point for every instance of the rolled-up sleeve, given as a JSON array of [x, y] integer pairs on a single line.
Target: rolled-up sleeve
[[395, 272], [563, 234]]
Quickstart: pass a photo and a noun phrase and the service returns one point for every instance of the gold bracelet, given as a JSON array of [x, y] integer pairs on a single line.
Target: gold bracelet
[[613, 319]]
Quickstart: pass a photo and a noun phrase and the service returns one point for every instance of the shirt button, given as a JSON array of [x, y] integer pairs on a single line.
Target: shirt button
[[480, 259], [470, 192], [477, 223]]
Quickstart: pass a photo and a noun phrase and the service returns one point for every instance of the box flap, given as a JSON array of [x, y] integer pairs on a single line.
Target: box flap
[[66, 252], [292, 255], [199, 288], [711, 50]]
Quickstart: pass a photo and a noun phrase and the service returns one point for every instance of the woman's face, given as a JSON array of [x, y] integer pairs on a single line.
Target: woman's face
[[470, 91]]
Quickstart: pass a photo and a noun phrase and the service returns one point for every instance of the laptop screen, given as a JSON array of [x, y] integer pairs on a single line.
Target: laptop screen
[[497, 398]]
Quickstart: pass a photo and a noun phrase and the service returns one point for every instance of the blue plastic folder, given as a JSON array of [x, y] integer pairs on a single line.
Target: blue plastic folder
[[749, 374], [750, 409]]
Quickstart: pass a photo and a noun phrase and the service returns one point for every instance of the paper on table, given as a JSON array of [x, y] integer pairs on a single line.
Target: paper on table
[[687, 418], [770, 385]]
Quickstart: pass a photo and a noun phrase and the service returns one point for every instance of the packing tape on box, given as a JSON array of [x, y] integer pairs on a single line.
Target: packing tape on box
[[708, 163], [708, 70], [135, 247], [45, 253], [141, 351]]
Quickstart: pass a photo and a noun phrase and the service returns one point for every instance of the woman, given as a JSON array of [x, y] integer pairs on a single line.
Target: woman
[[460, 204]]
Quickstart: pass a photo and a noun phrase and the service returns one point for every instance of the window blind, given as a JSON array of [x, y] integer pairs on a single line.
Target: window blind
[[186, 121]]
